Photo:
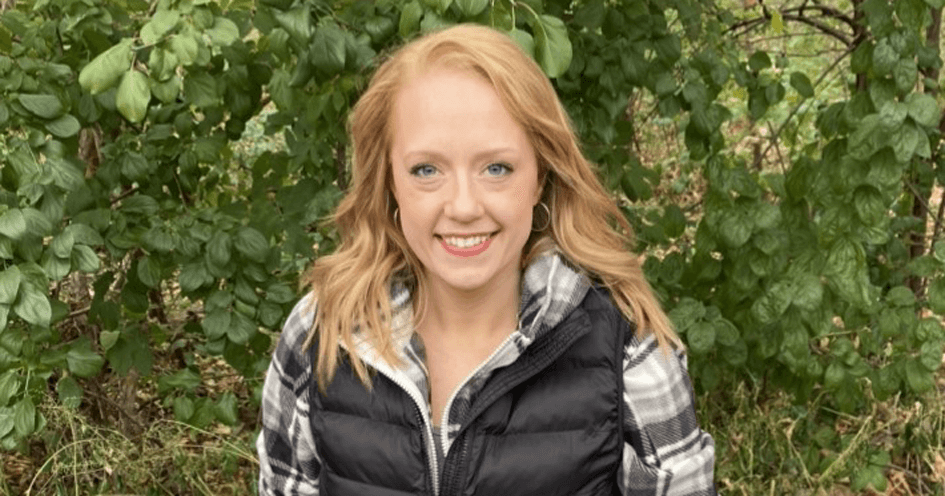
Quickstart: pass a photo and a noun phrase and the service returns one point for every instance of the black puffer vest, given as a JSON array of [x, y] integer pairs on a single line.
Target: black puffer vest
[[548, 424]]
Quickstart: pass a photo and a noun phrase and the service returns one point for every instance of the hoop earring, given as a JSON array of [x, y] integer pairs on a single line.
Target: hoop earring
[[396, 215], [547, 218]]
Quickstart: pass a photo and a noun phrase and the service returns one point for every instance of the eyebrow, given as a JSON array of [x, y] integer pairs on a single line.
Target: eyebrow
[[422, 154]]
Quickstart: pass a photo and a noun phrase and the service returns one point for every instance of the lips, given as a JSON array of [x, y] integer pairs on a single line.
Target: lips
[[466, 246]]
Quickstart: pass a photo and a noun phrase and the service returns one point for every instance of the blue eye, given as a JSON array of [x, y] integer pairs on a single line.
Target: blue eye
[[498, 169], [423, 170]]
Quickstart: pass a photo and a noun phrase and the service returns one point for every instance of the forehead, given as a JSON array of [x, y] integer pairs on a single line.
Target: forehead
[[448, 104]]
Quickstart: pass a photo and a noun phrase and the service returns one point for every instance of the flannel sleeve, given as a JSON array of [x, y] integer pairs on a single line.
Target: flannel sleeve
[[288, 462], [665, 452]]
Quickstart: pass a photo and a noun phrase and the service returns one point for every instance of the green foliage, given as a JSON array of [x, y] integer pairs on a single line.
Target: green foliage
[[121, 125]]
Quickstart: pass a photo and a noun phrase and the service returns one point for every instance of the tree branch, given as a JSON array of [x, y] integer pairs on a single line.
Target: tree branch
[[777, 134], [819, 25]]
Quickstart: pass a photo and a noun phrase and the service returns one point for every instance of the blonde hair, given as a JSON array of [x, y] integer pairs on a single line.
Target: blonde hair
[[352, 285]]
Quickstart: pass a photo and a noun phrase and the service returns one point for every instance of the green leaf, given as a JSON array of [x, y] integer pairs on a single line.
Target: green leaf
[[846, 271], [906, 74], [900, 296], [726, 333], [251, 244], [500, 16], [10, 285], [808, 292], [923, 109], [166, 91], [84, 234], [6, 423], [33, 306], [410, 19], [241, 328], [552, 46], [13, 224], [758, 61], [439, 6], [226, 409], [686, 313], [133, 95], [45, 106], [802, 84], [64, 127], [9, 385], [297, 22], [183, 408], [327, 50], [218, 249], [524, 41], [56, 268], [159, 25], [140, 204], [149, 271], [930, 355], [936, 294], [82, 361], [85, 259], [735, 227], [471, 8], [70, 393], [184, 45], [185, 379], [131, 349], [869, 204], [279, 293], [591, 14], [107, 339], [224, 31], [37, 223], [134, 166], [884, 58], [701, 337], [674, 221], [193, 276], [918, 377], [217, 323], [269, 314], [104, 71], [201, 90], [24, 417], [4, 314]]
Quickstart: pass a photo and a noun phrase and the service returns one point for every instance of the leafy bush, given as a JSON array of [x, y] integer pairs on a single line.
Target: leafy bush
[[125, 179]]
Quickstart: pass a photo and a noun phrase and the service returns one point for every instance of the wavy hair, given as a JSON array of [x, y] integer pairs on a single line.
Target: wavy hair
[[352, 285]]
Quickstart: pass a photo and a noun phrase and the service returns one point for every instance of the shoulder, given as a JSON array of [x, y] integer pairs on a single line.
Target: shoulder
[[290, 357]]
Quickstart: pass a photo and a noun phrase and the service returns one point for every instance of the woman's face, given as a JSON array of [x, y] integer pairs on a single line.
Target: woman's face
[[465, 178]]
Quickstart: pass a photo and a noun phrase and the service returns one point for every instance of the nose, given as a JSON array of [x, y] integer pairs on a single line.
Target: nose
[[465, 204]]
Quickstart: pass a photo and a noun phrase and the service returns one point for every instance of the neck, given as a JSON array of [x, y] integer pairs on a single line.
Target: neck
[[473, 315]]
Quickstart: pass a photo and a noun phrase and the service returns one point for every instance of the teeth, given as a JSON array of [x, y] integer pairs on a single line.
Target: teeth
[[458, 242]]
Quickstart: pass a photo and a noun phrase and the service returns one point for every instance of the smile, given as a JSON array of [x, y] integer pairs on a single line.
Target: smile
[[466, 246]]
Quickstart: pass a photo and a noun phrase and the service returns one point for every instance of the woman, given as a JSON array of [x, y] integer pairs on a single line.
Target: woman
[[482, 328]]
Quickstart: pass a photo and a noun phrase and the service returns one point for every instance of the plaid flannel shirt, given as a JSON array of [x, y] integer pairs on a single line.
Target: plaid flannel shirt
[[665, 452]]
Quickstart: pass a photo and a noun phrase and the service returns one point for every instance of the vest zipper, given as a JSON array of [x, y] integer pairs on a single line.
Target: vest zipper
[[425, 423], [449, 476]]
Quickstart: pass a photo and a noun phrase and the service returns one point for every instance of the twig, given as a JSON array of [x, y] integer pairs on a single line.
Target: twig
[[124, 194], [938, 216], [82, 311], [819, 25], [918, 196], [826, 11], [777, 134], [841, 460], [778, 149]]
